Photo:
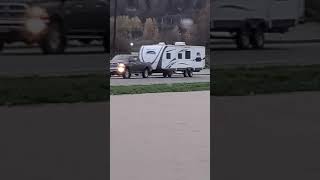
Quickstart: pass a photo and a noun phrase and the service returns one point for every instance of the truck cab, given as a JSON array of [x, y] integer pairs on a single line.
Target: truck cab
[[51, 23]]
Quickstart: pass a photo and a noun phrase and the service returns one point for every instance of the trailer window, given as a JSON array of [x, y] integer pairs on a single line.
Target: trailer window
[[151, 52], [188, 55], [168, 55], [180, 56]]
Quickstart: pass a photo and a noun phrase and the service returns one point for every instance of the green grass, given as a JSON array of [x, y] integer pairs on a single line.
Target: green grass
[[68, 89], [159, 88], [95, 88], [73, 89], [266, 80]]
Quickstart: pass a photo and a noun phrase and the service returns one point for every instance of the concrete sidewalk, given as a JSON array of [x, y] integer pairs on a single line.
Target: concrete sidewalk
[[56, 142], [160, 136], [266, 137]]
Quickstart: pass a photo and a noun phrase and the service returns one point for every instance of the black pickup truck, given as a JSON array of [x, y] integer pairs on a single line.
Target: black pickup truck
[[125, 65], [51, 23]]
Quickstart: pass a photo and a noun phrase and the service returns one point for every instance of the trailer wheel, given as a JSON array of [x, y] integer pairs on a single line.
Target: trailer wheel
[[165, 74], [257, 39], [145, 73], [126, 74], [55, 41], [106, 43], [190, 73], [243, 40], [185, 73]]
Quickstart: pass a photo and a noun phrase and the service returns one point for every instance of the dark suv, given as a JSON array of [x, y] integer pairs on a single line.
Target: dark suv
[[51, 23]]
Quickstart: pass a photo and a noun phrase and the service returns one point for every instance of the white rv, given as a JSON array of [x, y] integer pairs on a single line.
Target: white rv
[[248, 20], [169, 59]]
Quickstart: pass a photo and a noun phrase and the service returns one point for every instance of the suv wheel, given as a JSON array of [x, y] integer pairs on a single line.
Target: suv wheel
[[126, 74], [55, 41], [170, 73], [145, 73]]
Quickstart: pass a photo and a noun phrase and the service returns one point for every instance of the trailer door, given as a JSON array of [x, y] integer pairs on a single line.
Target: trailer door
[[198, 57], [169, 57]]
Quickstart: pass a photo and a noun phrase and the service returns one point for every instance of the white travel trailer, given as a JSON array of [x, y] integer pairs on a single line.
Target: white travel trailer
[[168, 59], [248, 20]]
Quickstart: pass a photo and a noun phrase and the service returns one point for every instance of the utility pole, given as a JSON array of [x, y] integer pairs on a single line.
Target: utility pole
[[115, 25]]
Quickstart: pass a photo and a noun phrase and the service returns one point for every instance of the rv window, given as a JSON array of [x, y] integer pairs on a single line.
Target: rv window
[[188, 55], [180, 56], [151, 52], [168, 55]]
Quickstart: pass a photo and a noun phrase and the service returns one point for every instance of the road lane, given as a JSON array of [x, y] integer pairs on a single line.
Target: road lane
[[273, 54], [203, 76], [30, 61], [160, 136], [83, 60]]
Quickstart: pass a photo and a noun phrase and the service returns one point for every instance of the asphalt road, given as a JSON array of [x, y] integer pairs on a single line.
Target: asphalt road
[[160, 136], [266, 137], [76, 60], [203, 76], [83, 60], [30, 61], [273, 54]]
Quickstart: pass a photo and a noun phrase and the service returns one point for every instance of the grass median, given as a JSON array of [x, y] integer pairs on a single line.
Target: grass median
[[73, 89], [159, 88], [66, 89], [95, 88], [265, 80]]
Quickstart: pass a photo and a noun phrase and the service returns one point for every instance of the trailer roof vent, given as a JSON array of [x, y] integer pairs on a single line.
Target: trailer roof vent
[[162, 43], [180, 43]]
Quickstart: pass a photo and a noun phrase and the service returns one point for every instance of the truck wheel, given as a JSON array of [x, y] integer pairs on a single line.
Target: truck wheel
[[86, 41], [1, 46], [126, 74], [145, 73], [55, 41], [257, 39], [190, 73], [106, 44], [243, 40]]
